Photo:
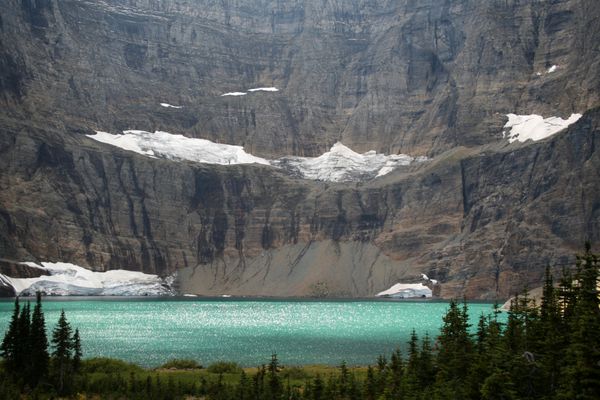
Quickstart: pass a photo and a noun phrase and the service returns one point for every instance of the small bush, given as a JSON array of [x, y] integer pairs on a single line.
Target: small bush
[[224, 367], [181, 364], [108, 365]]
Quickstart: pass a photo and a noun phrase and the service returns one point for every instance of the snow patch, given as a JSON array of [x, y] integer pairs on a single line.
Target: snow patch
[[72, 280], [264, 89], [260, 89], [552, 69], [339, 164], [426, 278], [406, 290], [167, 105], [535, 127], [342, 164], [178, 147]]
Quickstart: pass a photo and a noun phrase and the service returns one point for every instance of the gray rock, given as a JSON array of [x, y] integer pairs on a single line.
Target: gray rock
[[483, 217]]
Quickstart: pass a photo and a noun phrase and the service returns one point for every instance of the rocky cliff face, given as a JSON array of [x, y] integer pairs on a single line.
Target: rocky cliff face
[[407, 76], [482, 216]]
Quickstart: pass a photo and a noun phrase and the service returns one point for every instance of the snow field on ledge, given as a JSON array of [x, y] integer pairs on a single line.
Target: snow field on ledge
[[535, 127], [337, 165], [72, 280]]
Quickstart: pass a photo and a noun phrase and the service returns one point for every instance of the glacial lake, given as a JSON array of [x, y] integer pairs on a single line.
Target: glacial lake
[[150, 331]]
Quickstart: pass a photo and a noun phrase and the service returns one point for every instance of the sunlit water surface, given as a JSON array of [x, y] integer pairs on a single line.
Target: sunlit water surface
[[152, 331]]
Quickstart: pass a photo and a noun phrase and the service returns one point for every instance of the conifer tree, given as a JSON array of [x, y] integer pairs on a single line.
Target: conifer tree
[[581, 377], [455, 353], [318, 388], [275, 385], [63, 346], [76, 351], [370, 385], [38, 344], [8, 349], [396, 372], [344, 380], [426, 369], [22, 346], [410, 381], [551, 337]]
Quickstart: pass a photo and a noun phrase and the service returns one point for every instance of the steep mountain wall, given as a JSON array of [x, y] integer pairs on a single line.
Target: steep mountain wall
[[481, 222], [408, 76], [422, 77]]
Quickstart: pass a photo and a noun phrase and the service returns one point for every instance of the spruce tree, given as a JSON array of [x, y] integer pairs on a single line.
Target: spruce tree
[[318, 388], [581, 377], [22, 346], [370, 385], [76, 351], [410, 379], [396, 372], [455, 353], [275, 385], [8, 349], [63, 346], [38, 344], [551, 339]]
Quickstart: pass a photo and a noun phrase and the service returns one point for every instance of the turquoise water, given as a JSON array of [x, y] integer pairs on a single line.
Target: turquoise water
[[152, 331]]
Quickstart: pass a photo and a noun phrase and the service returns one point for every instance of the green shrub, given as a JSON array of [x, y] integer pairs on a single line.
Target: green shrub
[[108, 366], [224, 367], [181, 364]]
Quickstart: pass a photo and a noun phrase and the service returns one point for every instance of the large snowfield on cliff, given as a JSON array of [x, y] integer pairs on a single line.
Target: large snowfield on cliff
[[535, 127], [339, 164], [67, 279]]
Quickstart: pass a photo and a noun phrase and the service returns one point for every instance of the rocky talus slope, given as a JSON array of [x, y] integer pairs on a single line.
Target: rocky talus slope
[[434, 78]]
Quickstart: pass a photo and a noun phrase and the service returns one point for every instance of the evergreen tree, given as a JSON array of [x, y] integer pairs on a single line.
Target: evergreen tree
[[344, 381], [455, 353], [38, 344], [9, 348], [242, 390], [275, 385], [76, 351], [426, 369], [410, 381], [396, 372], [551, 337], [370, 385], [581, 377], [318, 388], [63, 346], [520, 341], [22, 346]]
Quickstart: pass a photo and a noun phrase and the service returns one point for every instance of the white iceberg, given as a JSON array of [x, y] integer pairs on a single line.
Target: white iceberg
[[406, 290], [72, 280], [167, 105], [535, 127]]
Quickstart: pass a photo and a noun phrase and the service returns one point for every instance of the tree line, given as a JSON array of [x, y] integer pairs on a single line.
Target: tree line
[[544, 351], [28, 360]]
